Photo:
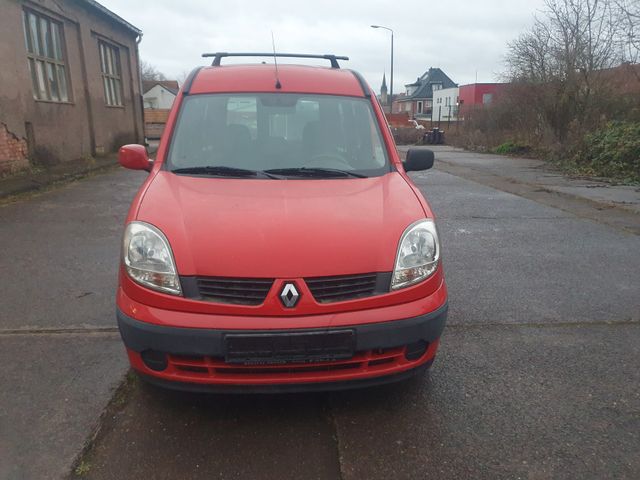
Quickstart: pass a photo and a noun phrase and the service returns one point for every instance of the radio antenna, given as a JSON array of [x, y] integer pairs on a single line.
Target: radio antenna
[[275, 61]]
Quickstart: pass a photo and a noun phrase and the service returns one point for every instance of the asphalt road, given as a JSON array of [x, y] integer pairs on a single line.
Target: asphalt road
[[537, 375]]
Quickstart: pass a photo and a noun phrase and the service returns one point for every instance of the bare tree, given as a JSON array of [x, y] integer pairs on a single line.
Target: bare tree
[[571, 37], [150, 72], [629, 16], [530, 55], [567, 48]]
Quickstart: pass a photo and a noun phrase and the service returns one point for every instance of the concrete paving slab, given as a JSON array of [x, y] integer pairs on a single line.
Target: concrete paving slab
[[504, 402], [540, 270], [455, 197], [54, 388], [509, 259], [59, 253], [59, 257], [166, 435]]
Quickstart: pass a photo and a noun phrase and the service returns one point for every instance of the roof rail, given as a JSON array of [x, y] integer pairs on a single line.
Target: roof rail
[[219, 55]]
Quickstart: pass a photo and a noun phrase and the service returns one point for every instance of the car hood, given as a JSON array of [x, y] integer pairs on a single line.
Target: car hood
[[280, 228]]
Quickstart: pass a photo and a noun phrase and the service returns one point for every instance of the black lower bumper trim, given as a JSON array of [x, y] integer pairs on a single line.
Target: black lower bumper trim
[[285, 387], [140, 336]]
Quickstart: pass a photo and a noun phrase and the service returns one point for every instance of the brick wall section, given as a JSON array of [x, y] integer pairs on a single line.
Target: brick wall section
[[13, 151]]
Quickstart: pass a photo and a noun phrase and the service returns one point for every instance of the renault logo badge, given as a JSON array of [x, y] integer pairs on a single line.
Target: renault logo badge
[[289, 295]]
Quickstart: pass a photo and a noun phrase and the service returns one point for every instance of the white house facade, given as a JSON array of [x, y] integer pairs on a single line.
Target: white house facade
[[445, 105], [159, 97]]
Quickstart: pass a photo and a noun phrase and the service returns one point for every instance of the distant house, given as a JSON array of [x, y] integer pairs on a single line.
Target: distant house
[[159, 94], [418, 99], [158, 98], [445, 105], [70, 82]]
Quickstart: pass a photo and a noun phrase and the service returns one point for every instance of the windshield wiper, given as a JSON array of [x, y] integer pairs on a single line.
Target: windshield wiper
[[223, 171], [315, 172]]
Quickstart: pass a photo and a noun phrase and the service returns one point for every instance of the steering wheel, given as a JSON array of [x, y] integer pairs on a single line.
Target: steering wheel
[[329, 160]]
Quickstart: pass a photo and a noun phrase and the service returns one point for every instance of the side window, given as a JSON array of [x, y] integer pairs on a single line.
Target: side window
[[111, 74], [360, 142], [43, 39], [243, 111]]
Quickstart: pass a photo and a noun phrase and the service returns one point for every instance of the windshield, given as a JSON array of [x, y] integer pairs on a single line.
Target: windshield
[[278, 132]]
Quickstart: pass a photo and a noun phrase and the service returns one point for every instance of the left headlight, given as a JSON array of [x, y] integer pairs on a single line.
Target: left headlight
[[418, 254], [148, 259]]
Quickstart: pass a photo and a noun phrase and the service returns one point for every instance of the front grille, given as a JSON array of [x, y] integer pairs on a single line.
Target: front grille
[[343, 287], [241, 291]]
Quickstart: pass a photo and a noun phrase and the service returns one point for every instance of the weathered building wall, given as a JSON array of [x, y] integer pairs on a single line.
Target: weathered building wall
[[84, 125]]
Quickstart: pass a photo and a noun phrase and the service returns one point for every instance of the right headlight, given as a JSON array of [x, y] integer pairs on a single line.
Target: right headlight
[[418, 254], [148, 259]]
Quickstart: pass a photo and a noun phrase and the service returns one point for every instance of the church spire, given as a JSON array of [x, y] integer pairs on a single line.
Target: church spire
[[383, 90]]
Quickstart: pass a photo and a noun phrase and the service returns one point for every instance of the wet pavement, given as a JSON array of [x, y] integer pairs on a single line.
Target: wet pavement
[[61, 354], [537, 376]]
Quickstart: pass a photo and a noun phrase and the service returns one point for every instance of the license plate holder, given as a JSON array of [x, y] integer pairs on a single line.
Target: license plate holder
[[283, 348]]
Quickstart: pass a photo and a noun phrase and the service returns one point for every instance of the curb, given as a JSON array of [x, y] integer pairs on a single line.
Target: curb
[[610, 214], [28, 183]]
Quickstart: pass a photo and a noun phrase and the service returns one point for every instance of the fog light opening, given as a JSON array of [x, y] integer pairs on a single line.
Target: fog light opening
[[156, 361], [415, 350]]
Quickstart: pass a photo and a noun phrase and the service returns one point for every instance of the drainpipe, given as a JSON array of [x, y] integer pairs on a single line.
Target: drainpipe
[[140, 99]]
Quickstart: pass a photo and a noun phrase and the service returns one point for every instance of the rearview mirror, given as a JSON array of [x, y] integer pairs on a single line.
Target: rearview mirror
[[134, 157], [418, 159]]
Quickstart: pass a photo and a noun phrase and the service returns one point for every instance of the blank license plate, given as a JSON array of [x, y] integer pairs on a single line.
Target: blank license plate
[[281, 348]]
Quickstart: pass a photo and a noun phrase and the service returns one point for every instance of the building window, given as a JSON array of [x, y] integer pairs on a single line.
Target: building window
[[419, 107], [111, 74], [44, 39]]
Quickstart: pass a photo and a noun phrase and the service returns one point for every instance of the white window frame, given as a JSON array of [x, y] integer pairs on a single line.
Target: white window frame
[[111, 73], [46, 57], [419, 106]]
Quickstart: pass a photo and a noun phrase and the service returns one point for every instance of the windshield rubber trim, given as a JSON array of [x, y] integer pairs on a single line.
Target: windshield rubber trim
[[186, 88], [363, 85]]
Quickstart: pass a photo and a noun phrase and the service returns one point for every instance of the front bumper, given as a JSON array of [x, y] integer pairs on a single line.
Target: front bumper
[[139, 336], [195, 356]]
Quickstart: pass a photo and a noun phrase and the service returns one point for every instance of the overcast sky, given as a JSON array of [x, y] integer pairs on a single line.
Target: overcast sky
[[462, 37]]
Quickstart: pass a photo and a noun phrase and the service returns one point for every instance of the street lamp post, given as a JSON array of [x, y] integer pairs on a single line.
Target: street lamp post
[[391, 86]]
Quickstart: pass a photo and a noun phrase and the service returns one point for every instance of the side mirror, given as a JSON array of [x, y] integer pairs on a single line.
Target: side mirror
[[418, 159], [134, 157]]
